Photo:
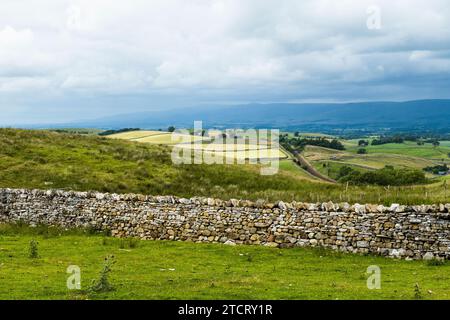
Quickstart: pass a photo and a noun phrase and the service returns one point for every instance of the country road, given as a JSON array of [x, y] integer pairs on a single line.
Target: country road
[[300, 160], [305, 165]]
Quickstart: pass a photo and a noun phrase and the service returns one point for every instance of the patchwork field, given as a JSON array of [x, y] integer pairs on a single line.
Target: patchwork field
[[157, 137], [407, 148], [369, 161], [237, 151]]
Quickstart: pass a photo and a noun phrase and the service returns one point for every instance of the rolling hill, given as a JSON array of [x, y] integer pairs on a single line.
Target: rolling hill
[[47, 160]]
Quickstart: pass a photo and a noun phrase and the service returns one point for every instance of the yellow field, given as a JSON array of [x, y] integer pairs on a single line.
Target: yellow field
[[244, 155], [226, 148], [240, 151], [214, 133], [157, 137], [135, 134], [170, 139]]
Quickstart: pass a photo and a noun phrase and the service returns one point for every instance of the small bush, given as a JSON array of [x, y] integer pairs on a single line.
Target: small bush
[[362, 151], [435, 262], [102, 284], [417, 292], [133, 243], [33, 252], [128, 243]]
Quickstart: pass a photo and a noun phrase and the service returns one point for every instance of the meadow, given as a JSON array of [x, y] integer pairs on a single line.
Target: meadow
[[408, 148], [182, 270]]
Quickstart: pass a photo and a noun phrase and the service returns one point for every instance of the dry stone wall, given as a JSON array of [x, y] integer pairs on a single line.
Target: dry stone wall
[[411, 232]]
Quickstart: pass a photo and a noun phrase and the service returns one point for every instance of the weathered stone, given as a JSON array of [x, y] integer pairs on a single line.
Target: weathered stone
[[398, 231], [428, 256], [372, 208], [282, 205], [234, 202], [362, 244], [272, 244], [230, 243], [360, 209]]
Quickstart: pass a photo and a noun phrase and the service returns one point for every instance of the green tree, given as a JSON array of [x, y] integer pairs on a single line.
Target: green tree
[[362, 151], [363, 143]]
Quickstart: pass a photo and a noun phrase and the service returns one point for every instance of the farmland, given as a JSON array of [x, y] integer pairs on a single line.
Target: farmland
[[205, 144], [408, 148], [407, 155], [369, 161], [157, 137]]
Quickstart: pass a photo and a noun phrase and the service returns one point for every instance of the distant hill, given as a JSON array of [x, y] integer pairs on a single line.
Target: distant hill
[[411, 116]]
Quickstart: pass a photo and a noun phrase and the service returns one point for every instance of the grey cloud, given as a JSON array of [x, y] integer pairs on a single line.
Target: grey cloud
[[54, 54]]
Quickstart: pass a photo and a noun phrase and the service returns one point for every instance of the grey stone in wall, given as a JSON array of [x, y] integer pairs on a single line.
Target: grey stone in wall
[[413, 232]]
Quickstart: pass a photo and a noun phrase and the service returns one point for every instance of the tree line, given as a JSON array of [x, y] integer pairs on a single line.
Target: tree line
[[298, 144], [387, 176]]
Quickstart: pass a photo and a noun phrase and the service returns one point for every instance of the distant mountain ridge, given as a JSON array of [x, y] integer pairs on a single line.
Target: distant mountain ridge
[[411, 116]]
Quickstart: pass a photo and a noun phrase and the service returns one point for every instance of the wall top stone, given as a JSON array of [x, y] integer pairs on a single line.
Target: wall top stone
[[442, 210]]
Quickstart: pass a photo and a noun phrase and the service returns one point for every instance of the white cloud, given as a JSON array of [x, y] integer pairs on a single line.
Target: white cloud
[[244, 49]]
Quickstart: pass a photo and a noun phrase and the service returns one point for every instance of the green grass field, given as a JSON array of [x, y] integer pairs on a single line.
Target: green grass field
[[180, 270], [369, 161], [408, 149]]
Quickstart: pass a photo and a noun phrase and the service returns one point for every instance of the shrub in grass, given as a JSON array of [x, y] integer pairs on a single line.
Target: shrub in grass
[[33, 252], [130, 243], [417, 292], [102, 284], [362, 151], [133, 243], [435, 262]]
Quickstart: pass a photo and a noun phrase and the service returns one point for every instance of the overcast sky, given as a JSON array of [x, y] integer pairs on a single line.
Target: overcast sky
[[63, 60]]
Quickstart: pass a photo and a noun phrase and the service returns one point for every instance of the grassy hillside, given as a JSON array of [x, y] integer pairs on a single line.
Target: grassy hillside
[[43, 159], [180, 270]]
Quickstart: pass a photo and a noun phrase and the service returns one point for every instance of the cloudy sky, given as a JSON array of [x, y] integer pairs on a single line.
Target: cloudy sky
[[77, 59]]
